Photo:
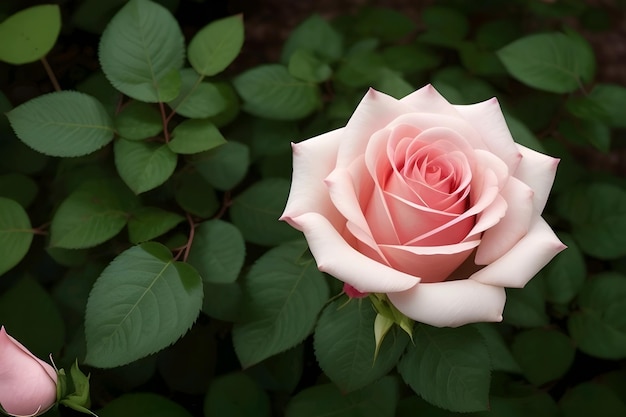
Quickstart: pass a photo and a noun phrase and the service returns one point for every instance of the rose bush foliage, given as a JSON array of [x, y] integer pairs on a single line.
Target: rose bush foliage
[[28, 385], [431, 203]]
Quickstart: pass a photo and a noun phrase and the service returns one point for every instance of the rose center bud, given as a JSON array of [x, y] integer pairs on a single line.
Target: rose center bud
[[416, 216]]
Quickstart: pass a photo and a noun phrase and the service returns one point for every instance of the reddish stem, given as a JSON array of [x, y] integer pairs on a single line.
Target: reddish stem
[[53, 78]]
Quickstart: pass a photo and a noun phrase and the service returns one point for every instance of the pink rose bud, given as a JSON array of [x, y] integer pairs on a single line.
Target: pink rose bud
[[353, 292], [27, 384]]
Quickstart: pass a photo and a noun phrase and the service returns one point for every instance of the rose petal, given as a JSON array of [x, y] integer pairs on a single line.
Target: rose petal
[[500, 238], [519, 265], [373, 113], [451, 303], [429, 263], [313, 160], [537, 171], [336, 257], [428, 100], [488, 119], [345, 199]]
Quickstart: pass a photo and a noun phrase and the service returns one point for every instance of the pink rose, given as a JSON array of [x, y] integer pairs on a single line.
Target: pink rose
[[28, 385], [431, 203]]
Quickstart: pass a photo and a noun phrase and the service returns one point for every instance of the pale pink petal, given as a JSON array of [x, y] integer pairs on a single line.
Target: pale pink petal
[[373, 113], [537, 171], [428, 100], [337, 258], [488, 119], [425, 121], [345, 199], [313, 160], [519, 265], [451, 303], [429, 263], [500, 238]]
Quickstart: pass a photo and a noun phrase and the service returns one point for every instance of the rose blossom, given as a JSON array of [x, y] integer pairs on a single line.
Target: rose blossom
[[431, 203], [27, 384]]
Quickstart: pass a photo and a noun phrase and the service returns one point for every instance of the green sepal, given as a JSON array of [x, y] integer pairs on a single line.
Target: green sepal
[[385, 308], [78, 399], [382, 324]]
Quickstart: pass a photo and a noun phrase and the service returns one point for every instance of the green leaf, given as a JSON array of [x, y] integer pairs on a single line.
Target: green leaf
[[360, 69], [32, 33], [522, 134], [597, 212], [501, 357], [65, 123], [281, 372], [314, 34], [591, 398], [445, 26], [255, 212], [526, 307], [599, 326], [31, 316], [18, 187], [566, 273], [448, 368], [142, 405], [195, 195], [283, 296], [146, 223], [16, 233], [92, 214], [544, 355], [141, 51], [345, 344], [222, 301], [225, 166], [610, 97], [554, 62], [270, 91], [409, 59], [197, 99], [218, 252], [143, 302], [137, 121], [586, 132], [216, 45], [304, 65], [236, 395], [392, 83], [143, 165], [194, 136], [377, 400], [383, 23]]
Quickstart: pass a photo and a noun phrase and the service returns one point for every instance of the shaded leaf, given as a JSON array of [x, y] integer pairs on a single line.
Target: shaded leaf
[[282, 298], [33, 32], [216, 45], [65, 123], [141, 51], [141, 303]]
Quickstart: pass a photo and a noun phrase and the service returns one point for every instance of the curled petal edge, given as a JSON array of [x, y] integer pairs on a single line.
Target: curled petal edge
[[337, 258], [451, 303]]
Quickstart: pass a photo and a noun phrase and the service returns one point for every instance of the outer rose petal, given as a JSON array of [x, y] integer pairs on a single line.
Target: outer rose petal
[[451, 303], [488, 119], [313, 160], [500, 238], [537, 171], [516, 267], [428, 100], [373, 113], [336, 257]]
